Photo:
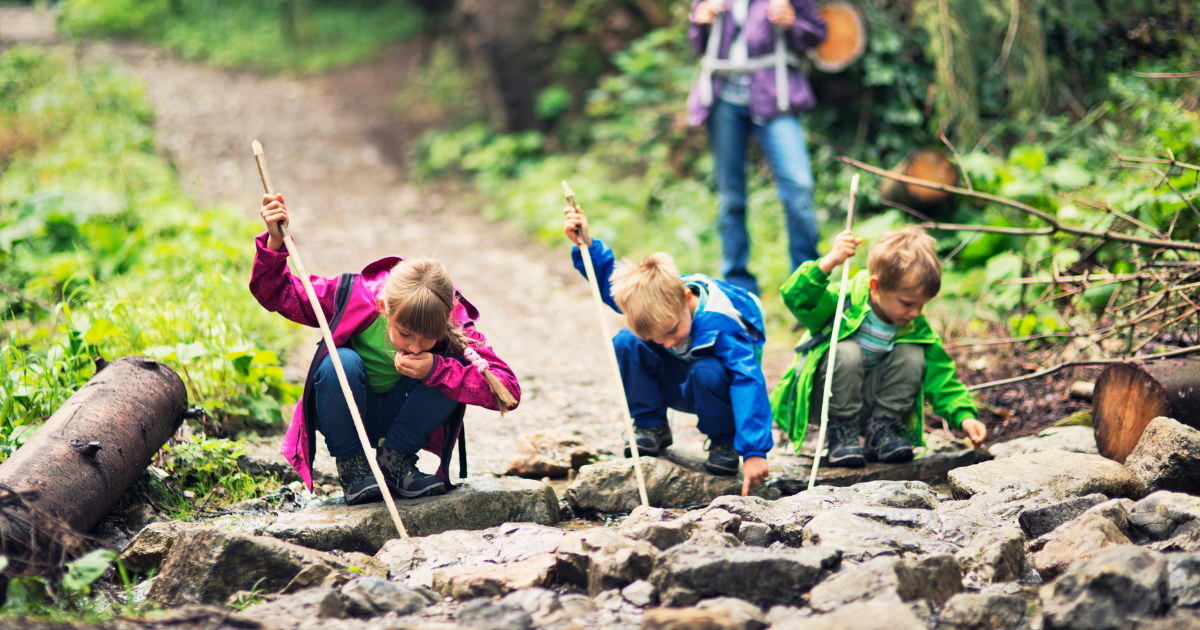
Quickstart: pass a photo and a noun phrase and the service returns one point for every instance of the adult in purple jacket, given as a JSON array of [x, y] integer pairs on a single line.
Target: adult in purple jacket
[[740, 91]]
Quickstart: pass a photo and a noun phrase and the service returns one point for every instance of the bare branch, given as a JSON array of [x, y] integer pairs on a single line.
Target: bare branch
[[1063, 366], [1167, 75]]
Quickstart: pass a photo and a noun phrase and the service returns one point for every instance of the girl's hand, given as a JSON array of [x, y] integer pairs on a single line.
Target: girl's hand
[[273, 211], [575, 221], [414, 365], [781, 13], [843, 248], [975, 429], [707, 11]]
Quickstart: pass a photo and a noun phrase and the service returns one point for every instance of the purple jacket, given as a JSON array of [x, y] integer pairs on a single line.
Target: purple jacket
[[806, 32], [280, 291]]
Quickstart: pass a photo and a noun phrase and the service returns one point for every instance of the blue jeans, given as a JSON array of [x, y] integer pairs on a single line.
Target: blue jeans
[[782, 141], [405, 417], [655, 380]]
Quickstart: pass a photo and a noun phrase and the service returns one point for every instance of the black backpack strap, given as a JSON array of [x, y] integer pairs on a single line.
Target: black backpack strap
[[342, 298], [462, 452], [344, 290]]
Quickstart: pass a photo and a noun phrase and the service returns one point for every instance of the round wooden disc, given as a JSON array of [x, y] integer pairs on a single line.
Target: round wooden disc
[[845, 41], [1126, 399], [934, 166]]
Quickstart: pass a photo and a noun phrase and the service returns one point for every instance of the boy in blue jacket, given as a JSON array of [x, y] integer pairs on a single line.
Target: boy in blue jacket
[[694, 345]]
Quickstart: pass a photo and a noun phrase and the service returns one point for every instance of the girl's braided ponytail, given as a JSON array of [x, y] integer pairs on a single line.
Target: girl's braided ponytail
[[461, 344]]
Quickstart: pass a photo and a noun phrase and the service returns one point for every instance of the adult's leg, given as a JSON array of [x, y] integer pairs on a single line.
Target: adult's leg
[[782, 141], [728, 131], [334, 414]]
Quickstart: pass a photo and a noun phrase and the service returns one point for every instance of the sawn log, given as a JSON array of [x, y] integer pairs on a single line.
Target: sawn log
[[1129, 395]]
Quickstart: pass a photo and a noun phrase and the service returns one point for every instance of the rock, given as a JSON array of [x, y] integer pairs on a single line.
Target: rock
[[1104, 593], [262, 456], [1070, 439], [372, 596], [1081, 539], [150, 546], [253, 524], [935, 578], [329, 525], [793, 473], [544, 606], [1041, 520], [1183, 575], [996, 555], [414, 560], [746, 616], [975, 611], [206, 565], [688, 619], [1167, 457], [313, 603], [486, 614], [1179, 619], [491, 580], [688, 573], [550, 454], [599, 559], [710, 538], [1071, 473], [1159, 514], [643, 514], [1185, 539], [663, 534], [141, 515], [879, 614], [755, 534], [611, 487], [640, 593], [861, 533], [363, 564]]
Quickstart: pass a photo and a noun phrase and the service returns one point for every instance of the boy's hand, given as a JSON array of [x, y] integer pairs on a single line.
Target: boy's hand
[[707, 11], [975, 429], [781, 13], [575, 221], [273, 211], [843, 248], [754, 470], [414, 365]]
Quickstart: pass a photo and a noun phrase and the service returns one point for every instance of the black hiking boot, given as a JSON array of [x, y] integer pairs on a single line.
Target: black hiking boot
[[358, 484], [722, 460], [650, 442], [885, 442], [403, 478], [844, 450]]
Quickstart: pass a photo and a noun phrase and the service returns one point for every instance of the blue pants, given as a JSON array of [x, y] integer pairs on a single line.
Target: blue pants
[[405, 417], [655, 380], [782, 141]]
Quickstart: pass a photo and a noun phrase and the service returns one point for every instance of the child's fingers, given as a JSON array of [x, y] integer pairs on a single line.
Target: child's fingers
[[746, 485]]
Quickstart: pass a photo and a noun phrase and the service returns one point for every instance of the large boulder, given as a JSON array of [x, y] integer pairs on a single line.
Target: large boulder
[[468, 581], [688, 573], [1075, 474], [333, 525], [1158, 515], [207, 565], [978, 611], [414, 560], [1044, 519], [994, 555], [863, 532], [1106, 592], [1081, 539], [934, 578], [611, 487], [599, 559], [876, 614], [550, 454], [1167, 457], [1070, 439]]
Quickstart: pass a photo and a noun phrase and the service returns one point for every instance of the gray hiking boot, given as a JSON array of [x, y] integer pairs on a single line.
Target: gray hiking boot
[[844, 449], [651, 441], [886, 442], [722, 460], [403, 478], [358, 484]]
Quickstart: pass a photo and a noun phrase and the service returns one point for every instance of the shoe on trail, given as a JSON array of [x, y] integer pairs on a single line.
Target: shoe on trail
[[722, 460], [651, 441], [358, 484], [885, 443], [402, 477], [844, 450]]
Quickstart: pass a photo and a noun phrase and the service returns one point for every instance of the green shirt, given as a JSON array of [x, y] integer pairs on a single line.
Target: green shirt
[[377, 353]]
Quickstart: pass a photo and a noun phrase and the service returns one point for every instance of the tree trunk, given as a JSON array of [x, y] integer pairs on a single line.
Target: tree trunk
[[927, 164], [506, 35], [1129, 395]]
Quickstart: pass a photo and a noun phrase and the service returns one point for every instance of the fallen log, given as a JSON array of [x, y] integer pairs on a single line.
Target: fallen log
[[77, 466], [927, 164], [1129, 395]]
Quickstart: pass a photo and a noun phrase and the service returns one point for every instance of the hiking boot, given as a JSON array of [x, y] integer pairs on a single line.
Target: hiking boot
[[403, 478], [722, 460], [358, 484], [843, 445], [885, 443], [650, 442]]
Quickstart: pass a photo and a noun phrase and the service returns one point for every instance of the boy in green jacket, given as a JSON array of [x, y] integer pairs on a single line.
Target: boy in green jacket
[[889, 360]]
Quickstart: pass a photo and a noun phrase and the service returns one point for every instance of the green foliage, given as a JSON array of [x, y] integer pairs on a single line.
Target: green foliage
[[70, 595], [198, 472]]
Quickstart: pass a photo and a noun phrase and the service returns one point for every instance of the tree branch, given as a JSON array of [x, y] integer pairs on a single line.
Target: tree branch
[[1063, 366]]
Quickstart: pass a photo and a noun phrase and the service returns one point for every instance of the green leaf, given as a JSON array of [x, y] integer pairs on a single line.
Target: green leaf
[[82, 572], [100, 330], [186, 352]]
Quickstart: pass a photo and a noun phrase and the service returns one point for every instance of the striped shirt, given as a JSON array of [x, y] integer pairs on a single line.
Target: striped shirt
[[875, 338]]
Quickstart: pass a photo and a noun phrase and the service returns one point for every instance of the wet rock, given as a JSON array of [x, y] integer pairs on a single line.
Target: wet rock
[[140, 516], [150, 546], [372, 596], [363, 564], [1183, 574], [640, 593], [313, 603], [932, 468], [935, 578], [414, 560], [1081, 539], [710, 538], [688, 573], [975, 611], [491, 580], [1070, 439], [483, 503], [642, 515], [745, 615], [1104, 593], [724, 613], [1185, 539], [206, 565], [662, 534], [996, 555], [253, 524], [861, 533], [879, 614], [999, 506], [1074, 474], [1159, 514], [611, 487], [755, 534], [1167, 457], [1178, 619], [485, 614], [600, 559], [550, 454], [544, 606], [1041, 520]]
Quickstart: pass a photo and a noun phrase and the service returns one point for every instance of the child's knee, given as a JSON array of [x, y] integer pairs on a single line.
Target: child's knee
[[849, 357], [351, 363], [909, 358], [625, 342], [709, 375]]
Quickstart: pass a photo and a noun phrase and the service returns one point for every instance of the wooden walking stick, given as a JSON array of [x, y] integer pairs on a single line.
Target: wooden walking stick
[[294, 256], [612, 353], [833, 341]]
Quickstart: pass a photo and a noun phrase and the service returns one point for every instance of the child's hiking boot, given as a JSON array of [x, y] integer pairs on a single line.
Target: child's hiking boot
[[403, 478], [885, 442], [844, 449], [722, 460], [650, 441], [358, 484]]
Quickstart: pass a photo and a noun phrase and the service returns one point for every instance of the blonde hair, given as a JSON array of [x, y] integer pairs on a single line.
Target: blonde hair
[[651, 294], [419, 297], [906, 259]]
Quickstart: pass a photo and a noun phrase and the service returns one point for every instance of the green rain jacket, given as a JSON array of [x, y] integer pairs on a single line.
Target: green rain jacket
[[812, 300]]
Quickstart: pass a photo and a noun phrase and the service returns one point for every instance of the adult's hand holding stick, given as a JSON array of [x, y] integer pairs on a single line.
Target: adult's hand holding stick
[[584, 250], [327, 334], [833, 341]]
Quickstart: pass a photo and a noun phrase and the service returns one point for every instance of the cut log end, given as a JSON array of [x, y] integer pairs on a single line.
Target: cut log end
[[927, 164], [846, 39], [1129, 395]]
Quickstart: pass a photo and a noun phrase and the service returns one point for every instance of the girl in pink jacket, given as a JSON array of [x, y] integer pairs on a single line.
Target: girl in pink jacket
[[413, 358]]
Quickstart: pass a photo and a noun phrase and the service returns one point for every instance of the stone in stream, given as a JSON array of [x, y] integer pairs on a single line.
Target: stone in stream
[[978, 611], [298, 608], [1074, 474], [1041, 520], [934, 578], [723, 613], [1167, 457], [479, 504], [860, 533], [550, 454], [372, 596], [490, 580], [1183, 574], [999, 506], [996, 555], [611, 487], [600, 559], [1070, 439], [688, 573], [878, 614], [931, 469], [150, 546], [1108, 591], [206, 565], [486, 614], [1081, 539], [1159, 514], [414, 560]]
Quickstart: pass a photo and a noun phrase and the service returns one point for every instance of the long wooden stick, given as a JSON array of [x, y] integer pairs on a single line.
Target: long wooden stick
[[833, 340], [294, 256], [608, 344]]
